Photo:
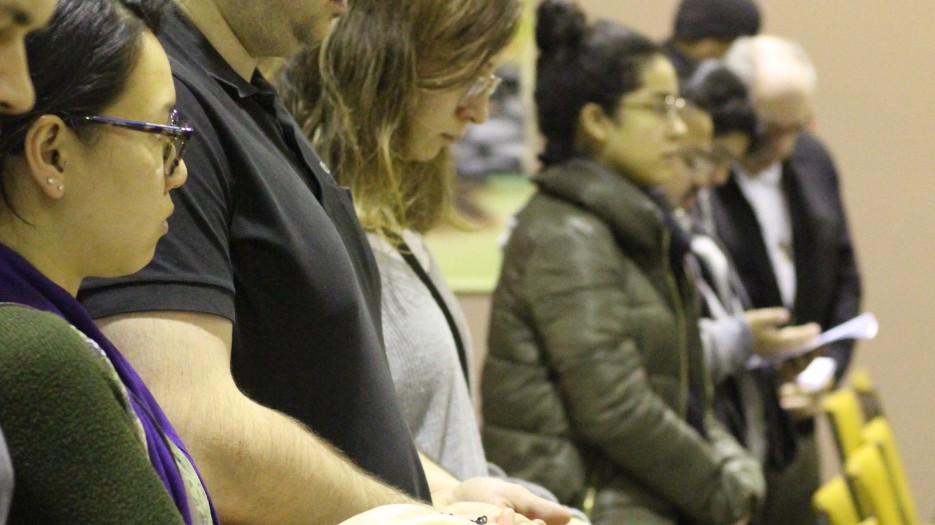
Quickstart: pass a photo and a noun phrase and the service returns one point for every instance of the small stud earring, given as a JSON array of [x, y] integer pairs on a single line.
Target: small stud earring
[[61, 187], [50, 181]]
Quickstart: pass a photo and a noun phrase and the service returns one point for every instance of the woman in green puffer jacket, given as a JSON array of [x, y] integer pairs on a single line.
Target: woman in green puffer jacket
[[595, 384]]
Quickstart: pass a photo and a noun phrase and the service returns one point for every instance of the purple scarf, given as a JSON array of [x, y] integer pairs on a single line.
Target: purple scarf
[[22, 283]]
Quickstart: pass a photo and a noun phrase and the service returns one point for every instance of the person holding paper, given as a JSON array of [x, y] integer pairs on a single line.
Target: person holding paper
[[739, 342], [782, 219]]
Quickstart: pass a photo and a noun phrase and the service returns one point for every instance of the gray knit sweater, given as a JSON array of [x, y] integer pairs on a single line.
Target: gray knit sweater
[[424, 360], [426, 372]]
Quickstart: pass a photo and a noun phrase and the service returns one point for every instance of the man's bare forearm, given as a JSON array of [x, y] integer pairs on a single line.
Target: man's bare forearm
[[260, 466]]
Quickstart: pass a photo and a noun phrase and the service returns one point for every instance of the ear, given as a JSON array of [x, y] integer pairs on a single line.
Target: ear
[[45, 154], [593, 127]]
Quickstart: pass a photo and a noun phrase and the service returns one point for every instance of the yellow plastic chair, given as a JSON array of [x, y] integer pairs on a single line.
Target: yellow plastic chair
[[875, 495], [879, 432], [835, 503], [867, 394], [843, 411]]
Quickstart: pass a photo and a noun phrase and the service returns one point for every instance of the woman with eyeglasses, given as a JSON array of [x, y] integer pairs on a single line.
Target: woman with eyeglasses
[[85, 182], [385, 131], [595, 384]]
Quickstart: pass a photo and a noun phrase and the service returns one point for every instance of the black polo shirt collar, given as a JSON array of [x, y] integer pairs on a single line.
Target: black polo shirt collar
[[193, 43]]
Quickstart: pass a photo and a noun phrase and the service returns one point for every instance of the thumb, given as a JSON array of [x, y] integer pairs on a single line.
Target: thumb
[[535, 507], [551, 513], [506, 517]]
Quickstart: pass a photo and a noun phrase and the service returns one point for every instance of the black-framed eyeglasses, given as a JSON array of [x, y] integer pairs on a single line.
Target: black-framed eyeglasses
[[177, 132]]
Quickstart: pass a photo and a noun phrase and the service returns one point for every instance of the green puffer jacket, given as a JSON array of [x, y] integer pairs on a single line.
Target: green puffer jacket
[[593, 345]]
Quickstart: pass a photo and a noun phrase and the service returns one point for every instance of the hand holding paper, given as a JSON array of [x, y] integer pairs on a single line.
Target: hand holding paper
[[864, 326], [771, 338]]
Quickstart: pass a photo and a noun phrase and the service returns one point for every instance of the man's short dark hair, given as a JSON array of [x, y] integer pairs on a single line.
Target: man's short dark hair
[[720, 19]]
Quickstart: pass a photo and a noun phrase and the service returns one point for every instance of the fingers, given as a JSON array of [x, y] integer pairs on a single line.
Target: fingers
[[407, 514], [794, 337], [541, 510], [478, 512], [760, 317], [770, 340], [801, 334], [504, 494], [798, 403]]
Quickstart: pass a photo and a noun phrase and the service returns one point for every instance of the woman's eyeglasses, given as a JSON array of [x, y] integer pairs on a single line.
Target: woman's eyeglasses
[[177, 134], [484, 86], [481, 87], [670, 106]]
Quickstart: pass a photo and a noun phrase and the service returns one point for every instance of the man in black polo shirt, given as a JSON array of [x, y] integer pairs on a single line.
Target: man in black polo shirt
[[260, 314]]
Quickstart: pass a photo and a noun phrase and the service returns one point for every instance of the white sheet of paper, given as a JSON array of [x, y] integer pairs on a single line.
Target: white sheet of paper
[[818, 375], [864, 326]]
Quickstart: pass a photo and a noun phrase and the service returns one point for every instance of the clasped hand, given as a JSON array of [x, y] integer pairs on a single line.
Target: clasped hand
[[476, 496]]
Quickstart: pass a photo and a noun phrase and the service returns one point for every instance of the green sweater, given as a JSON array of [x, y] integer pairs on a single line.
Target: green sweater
[[74, 441]]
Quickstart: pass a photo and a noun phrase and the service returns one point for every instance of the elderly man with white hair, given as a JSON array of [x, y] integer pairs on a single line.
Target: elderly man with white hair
[[782, 219]]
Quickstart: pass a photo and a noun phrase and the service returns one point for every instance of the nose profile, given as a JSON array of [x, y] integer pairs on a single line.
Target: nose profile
[[178, 177], [16, 90], [676, 126], [476, 110]]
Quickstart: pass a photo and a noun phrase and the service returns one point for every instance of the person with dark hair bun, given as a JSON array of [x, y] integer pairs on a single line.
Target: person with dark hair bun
[[86, 176], [595, 384]]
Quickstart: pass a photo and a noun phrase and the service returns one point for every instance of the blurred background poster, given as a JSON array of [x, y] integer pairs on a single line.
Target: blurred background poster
[[494, 160]]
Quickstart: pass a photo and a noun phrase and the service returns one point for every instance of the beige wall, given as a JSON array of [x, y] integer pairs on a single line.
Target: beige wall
[[876, 111]]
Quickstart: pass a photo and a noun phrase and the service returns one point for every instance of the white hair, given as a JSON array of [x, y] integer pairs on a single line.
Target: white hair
[[768, 64]]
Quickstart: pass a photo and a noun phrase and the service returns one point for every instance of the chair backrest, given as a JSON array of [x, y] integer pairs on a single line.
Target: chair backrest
[[878, 431], [867, 394], [835, 503], [873, 488], [847, 421]]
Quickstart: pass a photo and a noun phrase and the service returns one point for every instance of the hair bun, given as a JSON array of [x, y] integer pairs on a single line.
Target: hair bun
[[559, 23]]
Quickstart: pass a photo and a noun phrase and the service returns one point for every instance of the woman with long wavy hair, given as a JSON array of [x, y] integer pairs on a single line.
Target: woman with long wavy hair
[[397, 84]]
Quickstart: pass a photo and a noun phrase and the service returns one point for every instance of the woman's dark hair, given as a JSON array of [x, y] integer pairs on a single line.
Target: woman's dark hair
[[79, 63], [580, 64], [721, 93]]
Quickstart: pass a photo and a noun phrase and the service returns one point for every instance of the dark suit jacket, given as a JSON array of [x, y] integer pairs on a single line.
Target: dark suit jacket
[[828, 282]]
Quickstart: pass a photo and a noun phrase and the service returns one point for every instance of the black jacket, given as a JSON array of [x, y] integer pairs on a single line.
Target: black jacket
[[828, 288]]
